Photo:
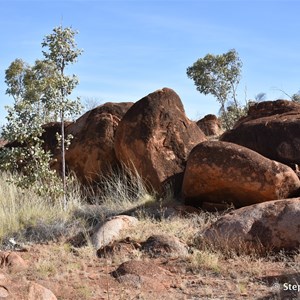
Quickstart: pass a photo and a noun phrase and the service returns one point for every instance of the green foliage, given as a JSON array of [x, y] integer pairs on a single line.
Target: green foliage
[[40, 94], [296, 97], [232, 114], [31, 84], [218, 75], [62, 51], [29, 159]]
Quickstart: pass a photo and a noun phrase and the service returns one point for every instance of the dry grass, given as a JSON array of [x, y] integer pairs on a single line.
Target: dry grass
[[22, 211], [215, 269]]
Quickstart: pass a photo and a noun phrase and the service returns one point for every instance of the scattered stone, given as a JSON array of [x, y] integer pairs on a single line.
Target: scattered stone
[[38, 292], [137, 273], [165, 245], [12, 261], [111, 230]]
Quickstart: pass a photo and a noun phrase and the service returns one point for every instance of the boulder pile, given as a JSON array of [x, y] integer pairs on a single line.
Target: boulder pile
[[253, 163]]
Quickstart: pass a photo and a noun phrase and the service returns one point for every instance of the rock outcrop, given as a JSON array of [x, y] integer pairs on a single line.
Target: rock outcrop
[[91, 152], [210, 125], [273, 225], [155, 137], [271, 128], [221, 172]]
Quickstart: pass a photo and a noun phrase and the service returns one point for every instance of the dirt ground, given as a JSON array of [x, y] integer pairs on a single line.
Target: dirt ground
[[77, 273]]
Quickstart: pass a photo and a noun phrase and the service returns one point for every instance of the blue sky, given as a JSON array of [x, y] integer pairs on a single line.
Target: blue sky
[[132, 48]]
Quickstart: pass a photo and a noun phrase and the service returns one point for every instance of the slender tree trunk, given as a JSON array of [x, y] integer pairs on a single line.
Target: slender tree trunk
[[63, 160]]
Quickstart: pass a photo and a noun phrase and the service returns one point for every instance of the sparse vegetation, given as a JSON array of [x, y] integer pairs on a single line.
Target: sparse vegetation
[[27, 217], [219, 75]]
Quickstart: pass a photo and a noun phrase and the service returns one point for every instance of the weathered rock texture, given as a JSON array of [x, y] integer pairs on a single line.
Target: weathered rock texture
[[12, 261], [221, 172], [155, 137], [274, 225], [271, 128], [165, 246], [142, 273], [210, 125], [91, 152], [111, 229], [38, 292]]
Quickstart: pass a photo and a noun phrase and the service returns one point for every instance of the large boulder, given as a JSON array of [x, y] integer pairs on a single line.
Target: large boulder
[[221, 172], [91, 152], [273, 225], [210, 125], [271, 128], [155, 137]]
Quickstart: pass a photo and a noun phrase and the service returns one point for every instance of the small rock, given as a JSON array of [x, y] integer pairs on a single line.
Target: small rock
[[165, 245], [12, 261], [111, 229], [38, 292]]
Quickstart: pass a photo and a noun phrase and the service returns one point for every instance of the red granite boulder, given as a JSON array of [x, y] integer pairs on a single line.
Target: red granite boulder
[[91, 152], [273, 225], [210, 125], [220, 172], [155, 138], [271, 128]]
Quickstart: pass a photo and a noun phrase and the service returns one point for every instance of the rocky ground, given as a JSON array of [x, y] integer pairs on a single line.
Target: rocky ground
[[126, 270]]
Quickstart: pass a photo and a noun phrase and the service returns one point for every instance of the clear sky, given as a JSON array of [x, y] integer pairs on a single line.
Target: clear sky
[[132, 48]]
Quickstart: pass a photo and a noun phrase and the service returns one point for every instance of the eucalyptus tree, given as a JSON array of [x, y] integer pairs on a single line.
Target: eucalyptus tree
[[61, 52], [29, 84], [26, 154], [24, 127], [218, 75], [40, 94]]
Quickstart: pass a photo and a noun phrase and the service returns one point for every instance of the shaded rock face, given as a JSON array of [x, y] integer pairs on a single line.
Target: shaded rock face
[[210, 125], [49, 136], [274, 225], [271, 128], [155, 137], [221, 172], [91, 152]]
